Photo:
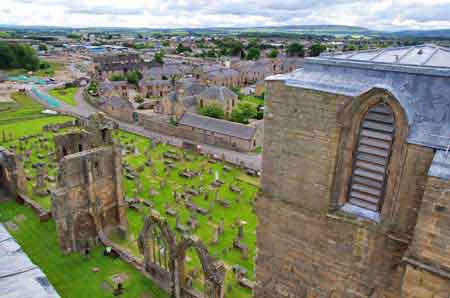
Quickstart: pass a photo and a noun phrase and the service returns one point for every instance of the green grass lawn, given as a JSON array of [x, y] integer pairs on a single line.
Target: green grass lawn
[[66, 95], [241, 205], [28, 127], [253, 99], [23, 109], [72, 275]]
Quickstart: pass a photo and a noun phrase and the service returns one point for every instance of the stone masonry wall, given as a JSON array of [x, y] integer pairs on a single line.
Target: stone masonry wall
[[161, 124], [305, 249], [89, 197], [431, 244]]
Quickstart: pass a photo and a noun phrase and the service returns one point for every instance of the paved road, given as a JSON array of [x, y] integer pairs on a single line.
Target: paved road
[[84, 109]]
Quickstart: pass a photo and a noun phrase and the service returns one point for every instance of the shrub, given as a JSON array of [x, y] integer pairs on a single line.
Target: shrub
[[243, 113], [213, 111]]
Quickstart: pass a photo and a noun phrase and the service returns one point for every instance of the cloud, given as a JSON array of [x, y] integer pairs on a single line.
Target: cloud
[[375, 14], [101, 10]]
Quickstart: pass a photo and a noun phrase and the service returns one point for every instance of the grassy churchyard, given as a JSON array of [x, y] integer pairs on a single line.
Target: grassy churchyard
[[66, 95], [73, 276], [151, 173]]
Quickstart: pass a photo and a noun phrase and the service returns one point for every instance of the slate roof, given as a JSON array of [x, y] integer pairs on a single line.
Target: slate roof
[[440, 167], [223, 73], [19, 277], [218, 126], [218, 93], [419, 79]]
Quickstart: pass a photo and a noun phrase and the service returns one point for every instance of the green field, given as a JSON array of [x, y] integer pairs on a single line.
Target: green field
[[66, 95], [23, 109], [253, 99], [72, 275], [241, 205]]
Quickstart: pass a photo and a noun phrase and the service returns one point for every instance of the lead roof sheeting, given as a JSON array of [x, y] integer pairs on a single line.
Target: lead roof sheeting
[[19, 277]]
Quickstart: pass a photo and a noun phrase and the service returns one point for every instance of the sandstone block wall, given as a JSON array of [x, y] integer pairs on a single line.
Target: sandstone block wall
[[306, 248], [89, 197], [431, 243]]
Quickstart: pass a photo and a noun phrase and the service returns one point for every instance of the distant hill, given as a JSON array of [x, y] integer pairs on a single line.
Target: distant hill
[[442, 33], [292, 29]]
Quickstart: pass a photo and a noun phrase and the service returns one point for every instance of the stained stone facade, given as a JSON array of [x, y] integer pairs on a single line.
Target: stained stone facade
[[12, 176], [355, 189], [88, 199]]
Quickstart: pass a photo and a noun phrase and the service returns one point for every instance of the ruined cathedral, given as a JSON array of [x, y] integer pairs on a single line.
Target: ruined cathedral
[[356, 178]]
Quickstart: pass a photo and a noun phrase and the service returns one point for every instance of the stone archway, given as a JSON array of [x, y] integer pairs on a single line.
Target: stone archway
[[214, 271], [157, 243], [165, 259]]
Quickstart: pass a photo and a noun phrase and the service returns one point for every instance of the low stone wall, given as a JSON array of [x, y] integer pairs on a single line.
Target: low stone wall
[[44, 215], [59, 126], [162, 124]]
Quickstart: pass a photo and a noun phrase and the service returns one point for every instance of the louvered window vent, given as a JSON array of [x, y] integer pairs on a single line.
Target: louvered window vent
[[371, 159]]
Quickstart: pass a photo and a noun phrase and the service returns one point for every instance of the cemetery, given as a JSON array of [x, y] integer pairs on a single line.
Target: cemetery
[[205, 205]]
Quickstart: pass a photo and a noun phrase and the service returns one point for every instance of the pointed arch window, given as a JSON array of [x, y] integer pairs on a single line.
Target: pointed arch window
[[371, 160]]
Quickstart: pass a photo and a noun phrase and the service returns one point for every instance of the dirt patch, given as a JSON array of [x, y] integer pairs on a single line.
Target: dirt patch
[[119, 278], [20, 218], [146, 295]]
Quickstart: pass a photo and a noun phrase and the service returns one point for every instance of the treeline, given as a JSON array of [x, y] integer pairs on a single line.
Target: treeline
[[14, 56]]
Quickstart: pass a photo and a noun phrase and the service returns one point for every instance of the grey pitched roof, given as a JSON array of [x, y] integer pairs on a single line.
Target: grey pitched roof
[[223, 73], [218, 93], [218, 126], [440, 167], [19, 277], [117, 102], [421, 89]]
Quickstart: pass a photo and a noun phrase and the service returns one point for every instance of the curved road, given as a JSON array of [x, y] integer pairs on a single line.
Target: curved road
[[84, 109]]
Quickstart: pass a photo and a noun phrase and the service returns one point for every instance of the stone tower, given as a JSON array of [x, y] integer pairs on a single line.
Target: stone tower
[[88, 200], [356, 178]]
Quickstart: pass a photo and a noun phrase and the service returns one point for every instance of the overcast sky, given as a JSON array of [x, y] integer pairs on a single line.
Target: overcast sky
[[373, 14]]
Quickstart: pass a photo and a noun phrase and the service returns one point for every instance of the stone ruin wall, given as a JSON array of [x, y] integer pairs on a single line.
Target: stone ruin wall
[[12, 175], [88, 200], [304, 250], [89, 196]]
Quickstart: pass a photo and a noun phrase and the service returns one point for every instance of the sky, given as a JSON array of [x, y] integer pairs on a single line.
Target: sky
[[372, 14]]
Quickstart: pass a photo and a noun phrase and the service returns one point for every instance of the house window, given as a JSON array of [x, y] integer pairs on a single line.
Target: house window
[[371, 159]]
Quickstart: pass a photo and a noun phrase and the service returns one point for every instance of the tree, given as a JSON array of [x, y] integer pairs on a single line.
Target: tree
[[273, 53], [73, 36], [316, 49], [43, 47], [253, 54], [243, 113], [18, 56], [296, 50], [213, 111], [182, 49], [133, 77], [236, 49], [159, 57], [116, 77]]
